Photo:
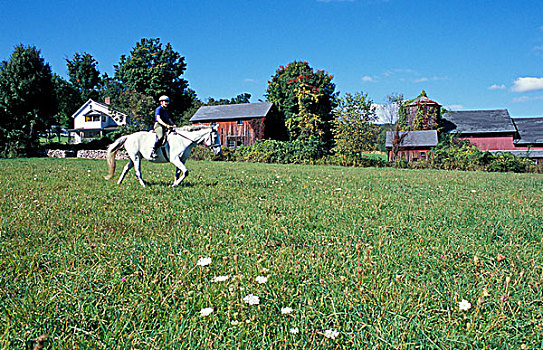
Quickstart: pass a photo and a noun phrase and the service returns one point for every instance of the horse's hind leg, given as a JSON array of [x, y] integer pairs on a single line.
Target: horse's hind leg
[[137, 168], [127, 167]]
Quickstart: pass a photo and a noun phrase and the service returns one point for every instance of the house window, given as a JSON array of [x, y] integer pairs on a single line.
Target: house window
[[240, 122], [103, 119], [422, 155], [92, 118]]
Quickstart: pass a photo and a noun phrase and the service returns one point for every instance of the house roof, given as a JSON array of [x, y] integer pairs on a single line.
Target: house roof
[[423, 138], [422, 100], [92, 107], [229, 112], [530, 130], [480, 121]]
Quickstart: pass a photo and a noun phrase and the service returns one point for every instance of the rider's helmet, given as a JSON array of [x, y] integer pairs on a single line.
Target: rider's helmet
[[164, 98]]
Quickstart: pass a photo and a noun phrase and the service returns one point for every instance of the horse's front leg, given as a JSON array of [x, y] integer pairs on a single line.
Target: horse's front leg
[[181, 171]]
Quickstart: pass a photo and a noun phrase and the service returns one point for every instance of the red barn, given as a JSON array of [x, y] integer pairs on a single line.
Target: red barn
[[412, 145], [496, 131], [239, 124]]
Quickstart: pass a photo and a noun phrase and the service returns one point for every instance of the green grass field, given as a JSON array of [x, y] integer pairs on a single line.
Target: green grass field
[[364, 257]]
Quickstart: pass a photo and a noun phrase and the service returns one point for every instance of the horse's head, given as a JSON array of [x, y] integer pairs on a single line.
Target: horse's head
[[213, 141]]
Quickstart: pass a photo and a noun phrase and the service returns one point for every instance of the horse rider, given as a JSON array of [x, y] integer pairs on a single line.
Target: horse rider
[[163, 122]]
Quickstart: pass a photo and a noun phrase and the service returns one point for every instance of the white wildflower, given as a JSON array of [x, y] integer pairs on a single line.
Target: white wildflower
[[252, 299], [331, 333], [234, 323], [219, 279], [265, 270], [464, 305], [294, 330], [286, 310], [203, 261], [206, 311], [261, 279]]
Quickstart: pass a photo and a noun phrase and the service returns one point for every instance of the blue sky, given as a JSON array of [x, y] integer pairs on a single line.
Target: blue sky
[[466, 54]]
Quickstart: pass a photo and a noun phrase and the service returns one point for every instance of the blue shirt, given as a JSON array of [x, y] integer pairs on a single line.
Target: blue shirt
[[164, 115]]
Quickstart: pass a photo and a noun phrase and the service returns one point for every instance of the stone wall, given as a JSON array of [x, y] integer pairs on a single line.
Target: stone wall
[[89, 154]]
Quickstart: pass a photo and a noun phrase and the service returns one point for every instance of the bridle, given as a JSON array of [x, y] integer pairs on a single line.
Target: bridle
[[211, 145]]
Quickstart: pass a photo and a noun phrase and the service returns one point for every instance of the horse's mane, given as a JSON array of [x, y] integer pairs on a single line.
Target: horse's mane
[[193, 127]]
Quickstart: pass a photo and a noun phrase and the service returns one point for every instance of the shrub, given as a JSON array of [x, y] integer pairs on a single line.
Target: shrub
[[273, 151]]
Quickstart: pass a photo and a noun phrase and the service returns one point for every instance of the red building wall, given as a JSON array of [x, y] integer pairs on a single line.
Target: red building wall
[[496, 143], [235, 133]]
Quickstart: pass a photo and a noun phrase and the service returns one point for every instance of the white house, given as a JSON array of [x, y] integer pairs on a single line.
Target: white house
[[95, 119]]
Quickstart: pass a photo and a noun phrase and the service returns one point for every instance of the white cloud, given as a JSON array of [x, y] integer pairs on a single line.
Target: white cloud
[[249, 80], [497, 87], [367, 78], [527, 84], [527, 99], [425, 79], [453, 107], [385, 113]]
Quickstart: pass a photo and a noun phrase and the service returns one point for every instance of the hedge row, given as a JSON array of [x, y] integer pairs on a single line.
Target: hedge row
[[449, 157]]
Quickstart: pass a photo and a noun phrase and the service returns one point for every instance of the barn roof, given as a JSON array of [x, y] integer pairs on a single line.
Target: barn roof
[[423, 138], [229, 112], [530, 130], [480, 121], [523, 153]]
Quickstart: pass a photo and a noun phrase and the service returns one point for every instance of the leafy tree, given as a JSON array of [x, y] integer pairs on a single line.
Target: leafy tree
[[27, 100], [153, 69], [69, 100], [354, 131], [241, 98], [305, 98], [84, 75]]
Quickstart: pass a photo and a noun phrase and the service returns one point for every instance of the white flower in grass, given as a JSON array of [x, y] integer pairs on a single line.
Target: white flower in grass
[[206, 311], [331, 333], [261, 279], [294, 330], [234, 323], [286, 310], [219, 279], [464, 305], [203, 261], [252, 299]]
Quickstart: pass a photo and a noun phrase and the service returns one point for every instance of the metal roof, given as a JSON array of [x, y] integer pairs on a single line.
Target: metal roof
[[423, 138], [530, 130], [229, 112], [480, 121], [522, 153]]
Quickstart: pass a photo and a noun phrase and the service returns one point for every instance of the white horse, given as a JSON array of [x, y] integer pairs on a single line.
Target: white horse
[[177, 148]]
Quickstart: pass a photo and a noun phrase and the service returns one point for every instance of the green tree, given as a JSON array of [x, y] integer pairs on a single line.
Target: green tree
[[69, 100], [154, 69], [241, 98], [354, 129], [27, 100], [84, 76], [305, 98]]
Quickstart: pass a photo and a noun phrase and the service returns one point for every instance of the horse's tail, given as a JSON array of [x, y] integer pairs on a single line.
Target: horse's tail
[[110, 155]]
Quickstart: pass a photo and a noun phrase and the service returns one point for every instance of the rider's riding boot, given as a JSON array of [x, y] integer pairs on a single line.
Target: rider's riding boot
[[155, 148]]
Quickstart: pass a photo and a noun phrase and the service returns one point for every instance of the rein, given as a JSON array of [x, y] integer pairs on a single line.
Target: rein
[[187, 138]]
